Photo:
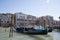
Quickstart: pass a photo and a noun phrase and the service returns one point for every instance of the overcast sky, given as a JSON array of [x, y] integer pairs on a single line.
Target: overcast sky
[[32, 7]]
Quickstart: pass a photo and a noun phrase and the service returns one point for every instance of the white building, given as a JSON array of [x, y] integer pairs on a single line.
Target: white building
[[22, 19]]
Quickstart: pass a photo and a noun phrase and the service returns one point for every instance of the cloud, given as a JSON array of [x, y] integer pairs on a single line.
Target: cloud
[[47, 1]]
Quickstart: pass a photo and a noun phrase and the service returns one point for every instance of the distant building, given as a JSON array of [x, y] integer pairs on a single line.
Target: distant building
[[46, 20], [22, 19], [49, 20], [56, 23], [6, 19], [31, 20]]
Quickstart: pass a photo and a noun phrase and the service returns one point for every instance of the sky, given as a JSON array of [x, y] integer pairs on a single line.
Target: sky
[[33, 7]]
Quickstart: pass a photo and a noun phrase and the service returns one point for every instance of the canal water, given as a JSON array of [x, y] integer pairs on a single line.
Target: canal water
[[19, 36]]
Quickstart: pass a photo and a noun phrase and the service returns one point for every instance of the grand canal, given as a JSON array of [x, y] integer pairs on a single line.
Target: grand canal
[[19, 36]]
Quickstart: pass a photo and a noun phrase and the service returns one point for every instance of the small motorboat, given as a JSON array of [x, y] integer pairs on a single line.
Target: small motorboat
[[31, 30]]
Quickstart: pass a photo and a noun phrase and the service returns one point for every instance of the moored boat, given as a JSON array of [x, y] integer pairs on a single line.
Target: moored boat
[[49, 29], [31, 30]]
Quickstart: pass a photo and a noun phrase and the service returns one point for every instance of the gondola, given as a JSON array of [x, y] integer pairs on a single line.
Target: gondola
[[31, 31]]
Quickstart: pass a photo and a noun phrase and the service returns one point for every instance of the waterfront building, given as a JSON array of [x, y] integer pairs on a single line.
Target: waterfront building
[[46, 21], [31, 20], [22, 19], [56, 23], [6, 19]]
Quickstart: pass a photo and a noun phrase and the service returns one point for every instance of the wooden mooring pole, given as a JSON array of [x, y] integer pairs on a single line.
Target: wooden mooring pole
[[11, 28], [11, 32]]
